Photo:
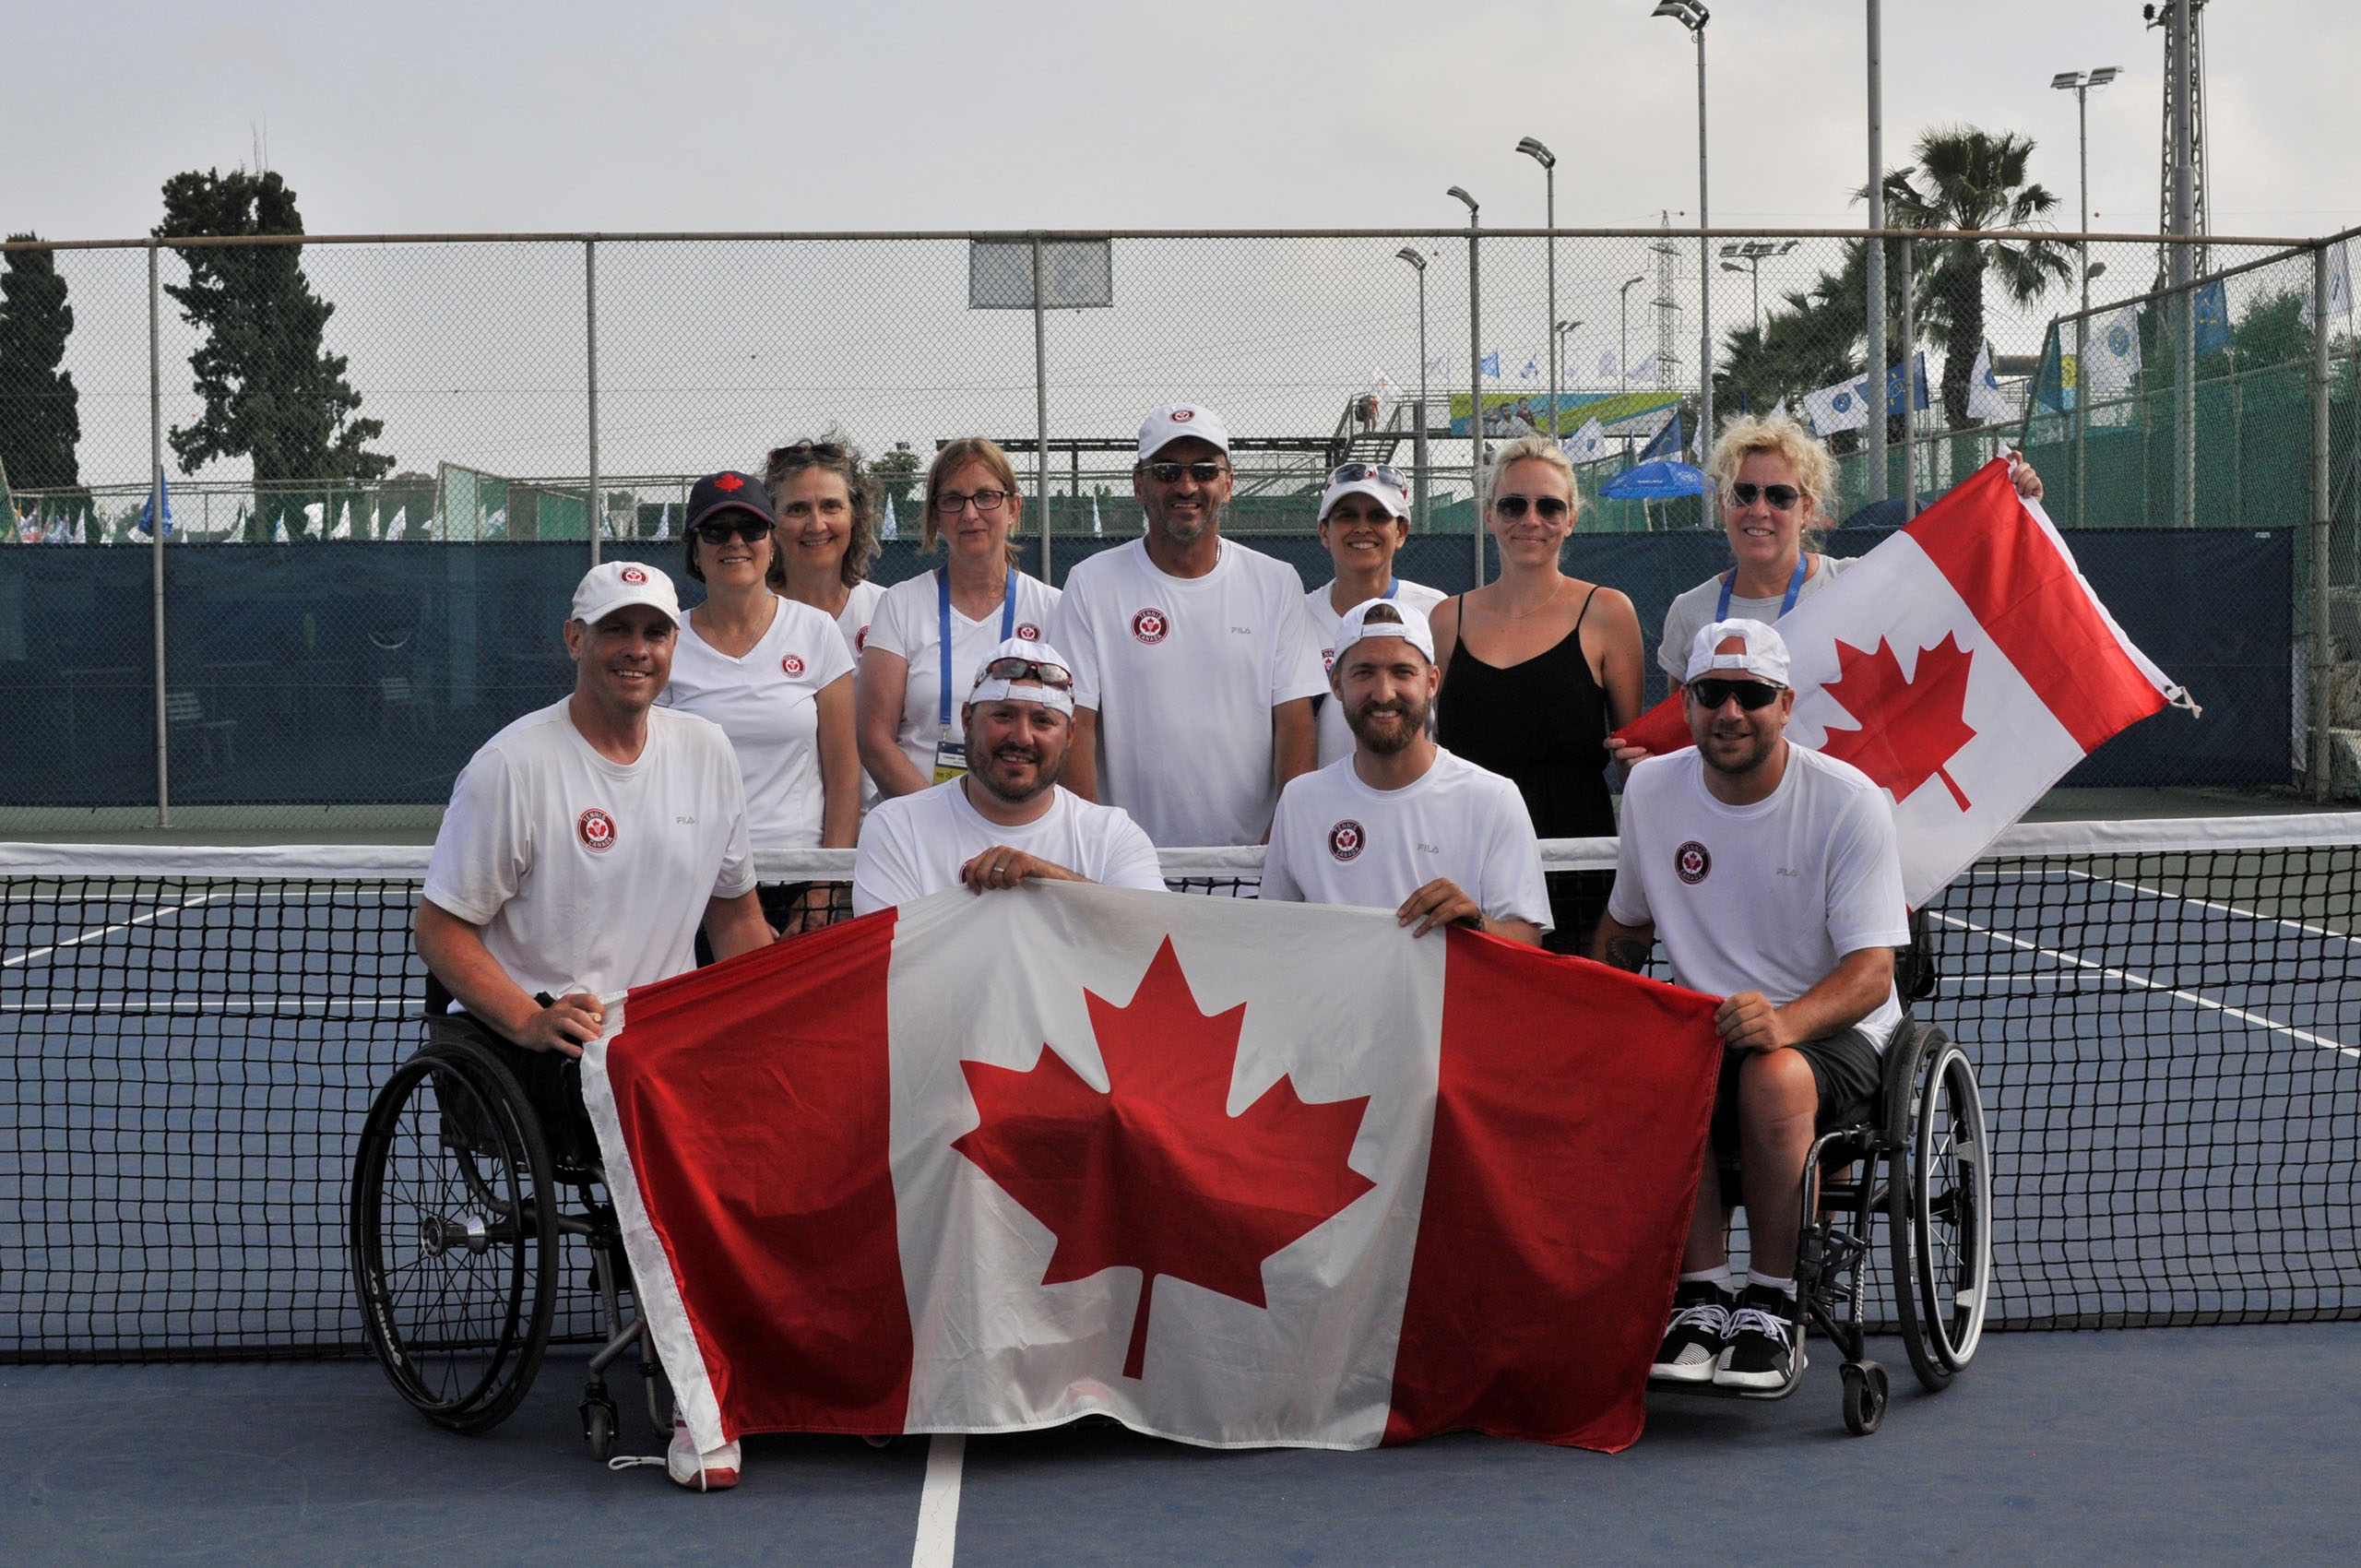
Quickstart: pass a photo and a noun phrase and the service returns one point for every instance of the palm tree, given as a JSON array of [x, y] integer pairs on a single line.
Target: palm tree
[[1965, 178]]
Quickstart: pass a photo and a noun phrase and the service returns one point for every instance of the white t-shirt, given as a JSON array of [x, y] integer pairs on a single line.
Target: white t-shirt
[[915, 845], [1336, 735], [1337, 840], [909, 622], [861, 608], [1184, 673], [587, 875], [1768, 896], [1693, 612], [768, 703]]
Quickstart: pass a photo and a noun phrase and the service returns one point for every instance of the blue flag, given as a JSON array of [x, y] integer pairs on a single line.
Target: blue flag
[[1669, 442], [147, 508], [2211, 304], [1491, 364], [1893, 394]]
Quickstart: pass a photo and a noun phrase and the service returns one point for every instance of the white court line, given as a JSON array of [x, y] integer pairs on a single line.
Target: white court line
[[2222, 909], [938, 1503], [2324, 1042], [105, 931]]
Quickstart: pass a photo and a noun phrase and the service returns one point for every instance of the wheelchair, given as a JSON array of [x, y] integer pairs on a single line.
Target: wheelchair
[[461, 1216], [1921, 1160]]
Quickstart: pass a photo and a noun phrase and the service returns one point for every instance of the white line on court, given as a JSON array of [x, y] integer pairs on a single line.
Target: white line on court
[[105, 931], [2345, 937], [938, 1503], [2324, 1042]]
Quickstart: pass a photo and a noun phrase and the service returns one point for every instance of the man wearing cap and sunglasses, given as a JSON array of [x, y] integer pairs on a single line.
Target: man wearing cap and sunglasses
[[1194, 670], [1401, 824], [1771, 873], [1364, 520], [1004, 822]]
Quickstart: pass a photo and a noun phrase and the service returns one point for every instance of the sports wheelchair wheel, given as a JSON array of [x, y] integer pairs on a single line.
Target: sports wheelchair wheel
[[455, 1236], [1938, 1211]]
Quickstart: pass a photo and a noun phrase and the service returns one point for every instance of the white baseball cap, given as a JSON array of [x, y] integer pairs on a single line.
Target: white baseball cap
[[1174, 421], [1377, 481], [1385, 618], [1027, 686], [1764, 657], [611, 584]]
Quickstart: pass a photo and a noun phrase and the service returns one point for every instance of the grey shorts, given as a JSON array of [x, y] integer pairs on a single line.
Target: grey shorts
[[1847, 1070]]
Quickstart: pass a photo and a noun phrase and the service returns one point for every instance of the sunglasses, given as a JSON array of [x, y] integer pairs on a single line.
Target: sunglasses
[[1034, 672], [1753, 695], [1513, 507], [1378, 471], [950, 501], [1205, 472], [746, 526], [1783, 497], [805, 453]]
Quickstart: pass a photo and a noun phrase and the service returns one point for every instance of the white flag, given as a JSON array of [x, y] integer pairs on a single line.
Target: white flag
[[1095, 530], [376, 521], [1606, 364], [2340, 286], [1644, 369], [496, 525], [343, 528], [1845, 405], [891, 527], [1985, 405], [664, 522], [1586, 444], [1779, 409], [2114, 353], [278, 530], [313, 512], [400, 525]]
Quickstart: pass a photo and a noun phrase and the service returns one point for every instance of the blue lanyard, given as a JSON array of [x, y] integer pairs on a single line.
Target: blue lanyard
[[942, 606], [1794, 591], [1391, 586]]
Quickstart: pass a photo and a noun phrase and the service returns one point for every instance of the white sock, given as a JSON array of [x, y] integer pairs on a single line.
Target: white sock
[[1720, 1276], [1785, 1286]]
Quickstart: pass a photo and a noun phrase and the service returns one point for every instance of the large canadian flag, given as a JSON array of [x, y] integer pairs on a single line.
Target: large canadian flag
[[1964, 664], [1231, 1173]]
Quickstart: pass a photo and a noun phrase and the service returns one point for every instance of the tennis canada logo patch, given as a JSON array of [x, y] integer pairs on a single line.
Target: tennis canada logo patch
[[632, 574], [792, 664], [1692, 863], [596, 830], [1346, 841], [1029, 631], [1151, 626], [1183, 416], [860, 639]]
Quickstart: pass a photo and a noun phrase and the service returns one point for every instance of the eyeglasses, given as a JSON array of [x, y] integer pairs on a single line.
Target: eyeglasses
[[1783, 497], [802, 454], [1513, 507], [1378, 471], [1205, 472], [1029, 672], [950, 501], [1751, 694], [746, 526]]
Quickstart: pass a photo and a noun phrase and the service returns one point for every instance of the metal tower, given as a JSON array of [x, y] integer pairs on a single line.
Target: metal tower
[[2184, 81], [1667, 308]]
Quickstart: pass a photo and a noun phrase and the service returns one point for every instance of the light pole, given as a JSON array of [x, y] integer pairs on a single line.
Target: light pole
[[2082, 84], [1418, 441], [1748, 254], [1694, 16], [1624, 366], [1873, 300], [1475, 383], [1548, 161], [1565, 328]]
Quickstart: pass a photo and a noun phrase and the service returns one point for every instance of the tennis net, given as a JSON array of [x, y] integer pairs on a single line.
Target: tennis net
[[2165, 1017]]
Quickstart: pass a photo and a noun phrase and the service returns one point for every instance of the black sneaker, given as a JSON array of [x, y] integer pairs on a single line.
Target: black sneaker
[[1764, 1349], [1701, 1321]]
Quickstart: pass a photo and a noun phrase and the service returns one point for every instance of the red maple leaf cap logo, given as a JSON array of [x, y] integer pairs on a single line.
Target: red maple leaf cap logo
[[726, 484], [1911, 726], [1155, 1173]]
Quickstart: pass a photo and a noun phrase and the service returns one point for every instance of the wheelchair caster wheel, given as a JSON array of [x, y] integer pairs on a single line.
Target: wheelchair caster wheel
[[1865, 1395], [599, 1427]]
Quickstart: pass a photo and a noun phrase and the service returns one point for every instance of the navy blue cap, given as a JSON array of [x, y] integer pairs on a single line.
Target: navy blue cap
[[728, 493]]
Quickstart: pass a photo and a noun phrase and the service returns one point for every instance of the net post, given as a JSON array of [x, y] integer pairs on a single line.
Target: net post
[[2323, 650], [591, 512], [156, 532]]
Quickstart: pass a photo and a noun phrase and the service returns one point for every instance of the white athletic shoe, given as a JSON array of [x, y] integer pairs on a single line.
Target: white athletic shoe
[[715, 1469]]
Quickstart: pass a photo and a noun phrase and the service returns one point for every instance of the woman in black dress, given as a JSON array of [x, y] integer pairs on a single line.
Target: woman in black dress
[[1536, 668]]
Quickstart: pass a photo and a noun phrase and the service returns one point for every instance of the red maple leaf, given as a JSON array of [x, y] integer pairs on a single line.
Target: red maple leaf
[[1156, 1174], [1910, 727]]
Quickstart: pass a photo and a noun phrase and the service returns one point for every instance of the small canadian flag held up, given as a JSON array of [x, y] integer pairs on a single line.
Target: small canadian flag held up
[[1964, 664], [1231, 1173]]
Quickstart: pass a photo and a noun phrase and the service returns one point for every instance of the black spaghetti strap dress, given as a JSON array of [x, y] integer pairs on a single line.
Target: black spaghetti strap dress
[[1541, 724]]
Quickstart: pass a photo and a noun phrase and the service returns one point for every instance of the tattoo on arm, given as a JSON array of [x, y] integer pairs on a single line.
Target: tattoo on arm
[[1628, 953]]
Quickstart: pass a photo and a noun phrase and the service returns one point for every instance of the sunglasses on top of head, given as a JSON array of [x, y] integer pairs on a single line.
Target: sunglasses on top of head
[[1205, 472], [1029, 672], [1753, 695], [1549, 507], [1378, 471], [1782, 497], [802, 454], [737, 524]]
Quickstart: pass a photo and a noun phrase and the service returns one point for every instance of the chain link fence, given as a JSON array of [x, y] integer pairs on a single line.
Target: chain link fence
[[374, 519]]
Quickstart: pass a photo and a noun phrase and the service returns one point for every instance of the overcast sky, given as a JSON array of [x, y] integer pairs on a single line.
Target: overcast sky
[[509, 116]]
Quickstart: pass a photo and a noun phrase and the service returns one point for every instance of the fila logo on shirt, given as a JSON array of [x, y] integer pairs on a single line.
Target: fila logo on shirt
[[596, 830], [1693, 862], [792, 664], [1346, 841], [632, 574], [1029, 631], [1151, 626]]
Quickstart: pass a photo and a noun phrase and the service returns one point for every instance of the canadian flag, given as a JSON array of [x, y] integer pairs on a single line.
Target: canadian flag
[[1965, 665], [1230, 1172]]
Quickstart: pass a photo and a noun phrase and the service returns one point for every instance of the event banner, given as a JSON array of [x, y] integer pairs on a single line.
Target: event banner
[[1230, 1172]]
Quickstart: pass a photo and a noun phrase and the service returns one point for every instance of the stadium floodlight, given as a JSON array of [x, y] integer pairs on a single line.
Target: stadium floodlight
[[1548, 161], [1694, 16], [1418, 442], [1748, 254], [2082, 84], [1623, 365], [1475, 373]]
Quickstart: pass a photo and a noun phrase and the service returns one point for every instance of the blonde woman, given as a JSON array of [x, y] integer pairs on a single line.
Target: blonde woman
[[826, 503]]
